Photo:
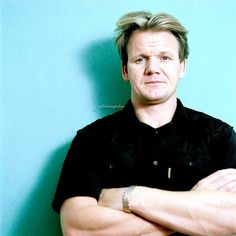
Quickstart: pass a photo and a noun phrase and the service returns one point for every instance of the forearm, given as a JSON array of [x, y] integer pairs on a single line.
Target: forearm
[[96, 220], [192, 213]]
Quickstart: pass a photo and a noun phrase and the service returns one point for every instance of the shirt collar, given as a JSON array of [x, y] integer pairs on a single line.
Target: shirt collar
[[180, 115]]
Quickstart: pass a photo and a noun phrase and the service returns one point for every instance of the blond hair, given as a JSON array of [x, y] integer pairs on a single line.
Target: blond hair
[[146, 21]]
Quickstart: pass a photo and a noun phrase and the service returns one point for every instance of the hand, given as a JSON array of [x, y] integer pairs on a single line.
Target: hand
[[112, 198], [221, 180]]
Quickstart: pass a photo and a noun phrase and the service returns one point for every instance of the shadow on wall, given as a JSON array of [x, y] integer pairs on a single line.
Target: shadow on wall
[[37, 216], [103, 67]]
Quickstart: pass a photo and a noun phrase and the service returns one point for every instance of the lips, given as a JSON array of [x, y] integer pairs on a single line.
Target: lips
[[154, 82]]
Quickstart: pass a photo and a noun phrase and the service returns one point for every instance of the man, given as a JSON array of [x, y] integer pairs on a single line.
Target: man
[[156, 167]]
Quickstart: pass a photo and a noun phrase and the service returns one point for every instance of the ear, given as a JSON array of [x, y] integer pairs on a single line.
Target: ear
[[182, 68], [125, 72]]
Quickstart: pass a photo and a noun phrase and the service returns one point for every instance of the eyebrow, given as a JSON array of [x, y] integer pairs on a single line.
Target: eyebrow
[[166, 52], [146, 55]]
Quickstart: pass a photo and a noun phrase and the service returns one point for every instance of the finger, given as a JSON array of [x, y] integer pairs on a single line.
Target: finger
[[220, 174], [216, 180], [229, 187]]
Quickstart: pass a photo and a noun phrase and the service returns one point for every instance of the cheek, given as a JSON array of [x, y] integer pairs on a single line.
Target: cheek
[[173, 72], [135, 68], [135, 74]]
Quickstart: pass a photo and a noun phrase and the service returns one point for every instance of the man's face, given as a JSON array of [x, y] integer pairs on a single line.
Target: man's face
[[153, 66]]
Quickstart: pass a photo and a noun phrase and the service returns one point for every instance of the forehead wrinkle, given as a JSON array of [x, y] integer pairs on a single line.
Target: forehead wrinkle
[[153, 43]]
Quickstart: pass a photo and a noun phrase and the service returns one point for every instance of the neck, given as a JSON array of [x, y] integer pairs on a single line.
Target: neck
[[155, 115]]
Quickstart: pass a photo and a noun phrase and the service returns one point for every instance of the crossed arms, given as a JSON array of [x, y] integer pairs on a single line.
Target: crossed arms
[[208, 209]]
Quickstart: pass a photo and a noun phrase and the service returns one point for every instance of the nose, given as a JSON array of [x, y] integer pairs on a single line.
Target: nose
[[152, 66]]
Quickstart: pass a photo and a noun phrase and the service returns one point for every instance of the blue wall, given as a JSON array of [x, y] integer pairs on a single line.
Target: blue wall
[[60, 71]]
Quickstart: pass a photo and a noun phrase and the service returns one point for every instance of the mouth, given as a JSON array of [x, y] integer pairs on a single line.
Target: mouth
[[154, 82]]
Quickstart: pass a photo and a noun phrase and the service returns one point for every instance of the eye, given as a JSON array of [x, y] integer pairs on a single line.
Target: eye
[[165, 58], [140, 60]]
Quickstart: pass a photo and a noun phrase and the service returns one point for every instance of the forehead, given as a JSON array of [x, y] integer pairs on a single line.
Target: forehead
[[152, 41]]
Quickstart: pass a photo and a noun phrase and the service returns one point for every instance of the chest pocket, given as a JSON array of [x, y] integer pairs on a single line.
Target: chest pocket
[[119, 168], [184, 170]]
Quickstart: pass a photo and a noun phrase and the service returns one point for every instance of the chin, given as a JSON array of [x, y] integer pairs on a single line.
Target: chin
[[154, 101], [155, 98]]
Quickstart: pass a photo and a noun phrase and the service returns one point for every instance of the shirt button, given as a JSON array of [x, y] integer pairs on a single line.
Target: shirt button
[[156, 132], [111, 167], [155, 163]]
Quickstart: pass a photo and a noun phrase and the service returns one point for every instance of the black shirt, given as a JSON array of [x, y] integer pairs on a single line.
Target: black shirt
[[119, 150]]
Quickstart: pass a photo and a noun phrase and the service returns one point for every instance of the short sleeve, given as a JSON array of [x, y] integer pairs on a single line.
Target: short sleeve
[[225, 146], [78, 177]]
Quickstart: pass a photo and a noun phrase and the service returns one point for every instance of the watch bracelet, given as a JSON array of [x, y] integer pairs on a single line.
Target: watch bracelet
[[126, 198]]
